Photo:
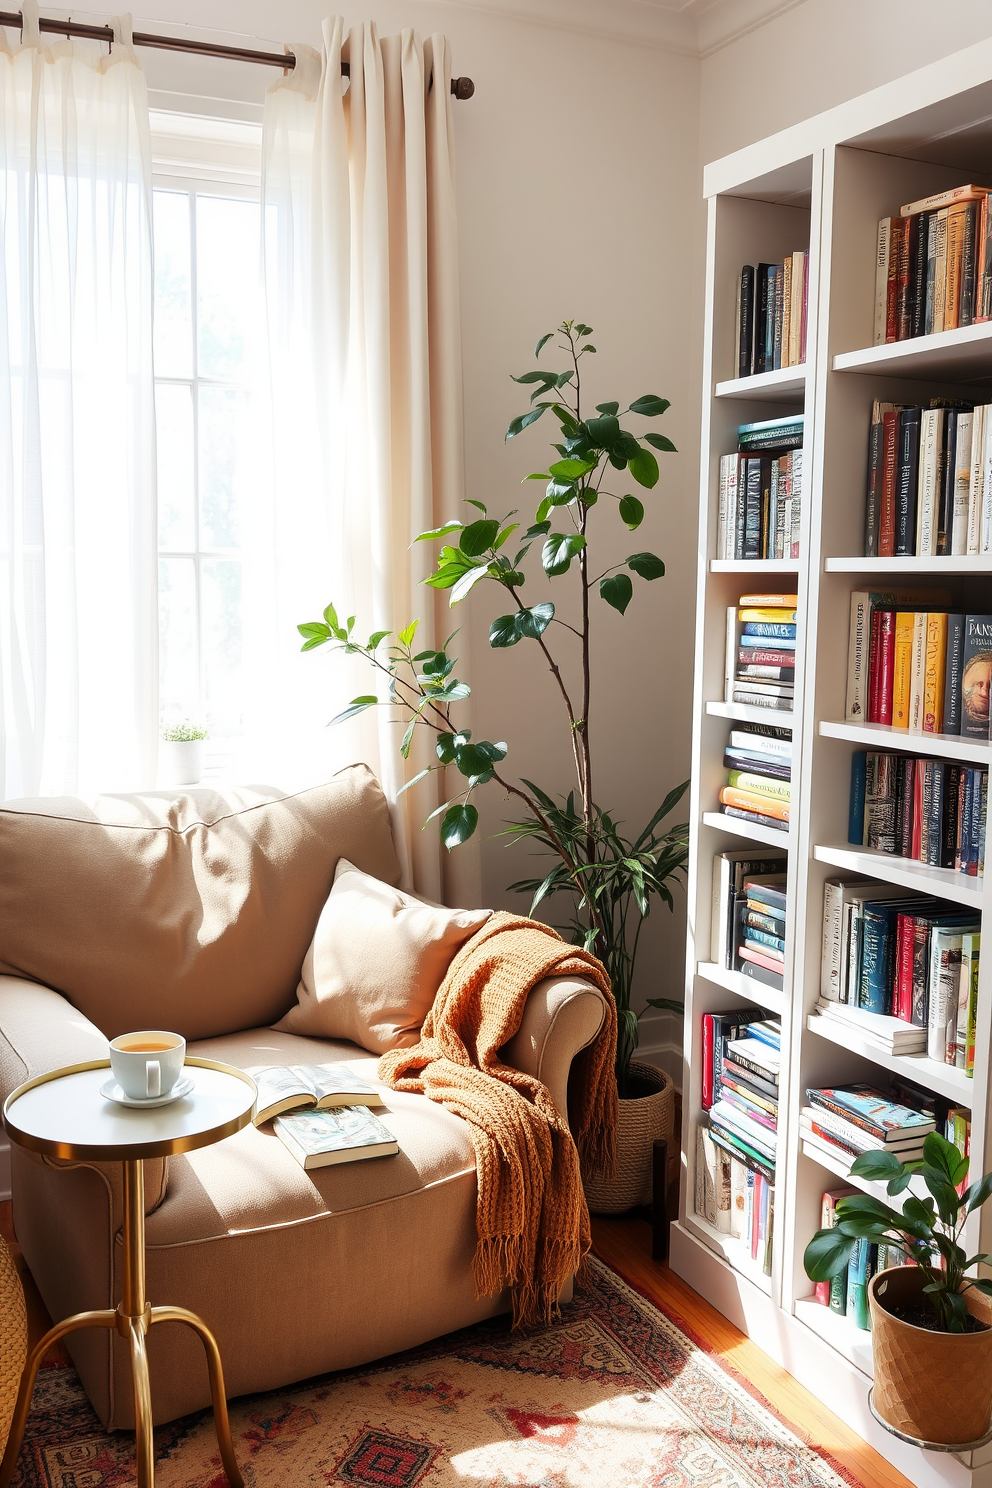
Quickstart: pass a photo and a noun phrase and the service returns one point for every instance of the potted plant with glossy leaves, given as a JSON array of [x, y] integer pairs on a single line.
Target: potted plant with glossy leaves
[[609, 877], [931, 1318]]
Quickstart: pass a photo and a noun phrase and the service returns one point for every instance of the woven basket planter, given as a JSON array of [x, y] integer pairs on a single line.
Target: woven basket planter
[[934, 1386], [643, 1119], [13, 1339]]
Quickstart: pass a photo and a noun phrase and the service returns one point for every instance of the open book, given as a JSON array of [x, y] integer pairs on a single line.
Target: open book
[[289, 1087], [318, 1138]]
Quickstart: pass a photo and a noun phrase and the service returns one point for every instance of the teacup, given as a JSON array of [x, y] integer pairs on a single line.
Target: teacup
[[146, 1065]]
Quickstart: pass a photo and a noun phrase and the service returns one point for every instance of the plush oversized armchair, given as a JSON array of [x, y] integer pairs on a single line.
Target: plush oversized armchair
[[195, 913]]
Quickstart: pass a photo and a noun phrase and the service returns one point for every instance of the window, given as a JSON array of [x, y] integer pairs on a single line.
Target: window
[[208, 323]]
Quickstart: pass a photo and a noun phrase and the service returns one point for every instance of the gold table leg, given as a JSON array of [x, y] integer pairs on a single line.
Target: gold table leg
[[132, 1318]]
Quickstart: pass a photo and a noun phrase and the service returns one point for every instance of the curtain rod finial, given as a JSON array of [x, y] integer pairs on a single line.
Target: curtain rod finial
[[462, 87]]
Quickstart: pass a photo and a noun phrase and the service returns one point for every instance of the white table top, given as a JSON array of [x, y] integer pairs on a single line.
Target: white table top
[[64, 1115]]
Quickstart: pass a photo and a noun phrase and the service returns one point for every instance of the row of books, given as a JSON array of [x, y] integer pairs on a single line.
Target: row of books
[[933, 811], [900, 969], [735, 1197], [772, 312], [933, 265], [923, 670], [929, 480], [760, 494], [762, 625], [747, 918], [847, 1292]]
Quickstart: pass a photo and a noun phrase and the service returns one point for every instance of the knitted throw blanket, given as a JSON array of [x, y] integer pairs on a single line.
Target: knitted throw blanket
[[532, 1216]]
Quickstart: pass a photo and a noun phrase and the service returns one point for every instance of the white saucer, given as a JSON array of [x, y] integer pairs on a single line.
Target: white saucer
[[112, 1091]]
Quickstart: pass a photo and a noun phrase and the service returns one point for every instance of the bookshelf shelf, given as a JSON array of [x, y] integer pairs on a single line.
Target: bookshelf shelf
[[748, 713], [943, 882], [821, 189], [853, 1343], [964, 355], [839, 1168], [733, 1251], [752, 831], [975, 563], [742, 986], [755, 565], [953, 1084], [939, 746], [788, 384]]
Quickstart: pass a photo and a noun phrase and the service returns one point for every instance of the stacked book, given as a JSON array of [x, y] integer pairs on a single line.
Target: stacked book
[[901, 969], [933, 811], [916, 668], [762, 626], [749, 890], [929, 480], [772, 305], [847, 1120], [760, 500], [759, 778], [737, 1142], [933, 265]]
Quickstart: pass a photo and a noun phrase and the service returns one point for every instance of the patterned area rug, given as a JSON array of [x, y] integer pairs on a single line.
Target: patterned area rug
[[614, 1394]]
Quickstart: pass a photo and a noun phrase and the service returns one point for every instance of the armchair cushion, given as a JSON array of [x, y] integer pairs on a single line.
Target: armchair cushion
[[376, 961], [189, 912]]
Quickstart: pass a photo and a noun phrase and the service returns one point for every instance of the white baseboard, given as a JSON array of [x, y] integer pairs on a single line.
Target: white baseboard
[[4, 1168]]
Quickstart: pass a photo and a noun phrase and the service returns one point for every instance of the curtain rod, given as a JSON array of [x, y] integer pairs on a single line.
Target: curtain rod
[[461, 87]]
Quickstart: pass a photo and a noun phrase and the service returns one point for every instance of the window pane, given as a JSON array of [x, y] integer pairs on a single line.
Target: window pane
[[173, 299], [225, 465], [226, 284], [178, 681], [174, 432], [222, 682]]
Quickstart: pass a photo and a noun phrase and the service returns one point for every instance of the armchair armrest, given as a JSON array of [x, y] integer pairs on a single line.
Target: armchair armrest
[[40, 1030], [562, 1016]]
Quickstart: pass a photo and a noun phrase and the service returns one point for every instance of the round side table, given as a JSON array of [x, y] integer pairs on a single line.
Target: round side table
[[63, 1114]]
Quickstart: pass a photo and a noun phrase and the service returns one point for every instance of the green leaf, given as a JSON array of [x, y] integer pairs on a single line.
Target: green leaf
[[666, 1004], [559, 550], [610, 409], [560, 493], [617, 590], [940, 1154], [545, 377], [453, 692], [660, 443], [505, 532], [331, 616], [357, 705], [650, 405], [535, 621], [647, 565], [878, 1167], [315, 631], [603, 432], [418, 777], [631, 512], [978, 1194], [542, 343], [458, 825], [522, 420], [408, 739], [827, 1254], [541, 514], [467, 582], [644, 468], [476, 761], [406, 636], [313, 642], [376, 639], [444, 531], [581, 329], [571, 470], [478, 537], [446, 744], [564, 378], [504, 632]]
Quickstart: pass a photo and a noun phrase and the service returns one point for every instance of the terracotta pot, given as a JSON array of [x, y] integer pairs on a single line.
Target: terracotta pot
[[643, 1118], [934, 1386]]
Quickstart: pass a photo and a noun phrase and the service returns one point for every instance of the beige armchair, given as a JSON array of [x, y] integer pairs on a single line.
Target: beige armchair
[[195, 914]]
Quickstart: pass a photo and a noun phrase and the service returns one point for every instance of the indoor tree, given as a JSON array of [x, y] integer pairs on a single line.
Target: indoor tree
[[610, 878]]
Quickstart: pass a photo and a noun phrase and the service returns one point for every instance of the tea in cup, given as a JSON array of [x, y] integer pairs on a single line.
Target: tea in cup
[[147, 1065]]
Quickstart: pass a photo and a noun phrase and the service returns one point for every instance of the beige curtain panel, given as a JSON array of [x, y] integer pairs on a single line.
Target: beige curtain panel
[[365, 366]]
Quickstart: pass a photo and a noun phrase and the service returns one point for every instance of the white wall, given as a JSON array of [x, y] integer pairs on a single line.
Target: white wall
[[821, 53], [578, 196]]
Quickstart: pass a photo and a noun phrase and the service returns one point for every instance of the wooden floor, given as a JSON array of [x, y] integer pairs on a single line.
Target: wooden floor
[[625, 1244]]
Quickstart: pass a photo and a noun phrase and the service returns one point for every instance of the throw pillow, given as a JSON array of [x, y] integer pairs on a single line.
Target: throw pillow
[[375, 963]]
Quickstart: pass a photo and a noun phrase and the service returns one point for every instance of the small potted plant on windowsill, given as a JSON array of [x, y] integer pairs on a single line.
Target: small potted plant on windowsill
[[608, 878], [181, 759], [931, 1322]]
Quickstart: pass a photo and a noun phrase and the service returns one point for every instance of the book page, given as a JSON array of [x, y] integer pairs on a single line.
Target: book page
[[333, 1079]]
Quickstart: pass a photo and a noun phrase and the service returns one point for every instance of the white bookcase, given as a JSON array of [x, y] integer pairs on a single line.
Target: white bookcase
[[823, 185]]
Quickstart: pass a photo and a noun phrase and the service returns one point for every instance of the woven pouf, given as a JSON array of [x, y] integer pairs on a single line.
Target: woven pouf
[[13, 1338], [643, 1119]]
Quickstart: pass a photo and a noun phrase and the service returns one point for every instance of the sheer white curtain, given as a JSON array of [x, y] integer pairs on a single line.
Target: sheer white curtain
[[362, 295], [78, 636]]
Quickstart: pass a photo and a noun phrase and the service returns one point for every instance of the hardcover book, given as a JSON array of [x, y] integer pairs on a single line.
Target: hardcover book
[[976, 676], [346, 1134]]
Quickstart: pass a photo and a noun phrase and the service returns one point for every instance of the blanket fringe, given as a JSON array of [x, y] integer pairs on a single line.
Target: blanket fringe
[[534, 1289]]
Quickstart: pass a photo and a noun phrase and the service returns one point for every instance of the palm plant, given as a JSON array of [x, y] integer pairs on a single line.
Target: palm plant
[[611, 879]]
